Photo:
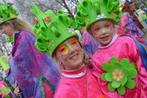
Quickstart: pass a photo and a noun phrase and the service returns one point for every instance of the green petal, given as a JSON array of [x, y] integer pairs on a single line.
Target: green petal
[[7, 96], [124, 81], [103, 77], [121, 90], [5, 90], [108, 77], [132, 65], [106, 67], [131, 84], [110, 88], [132, 73], [125, 62], [113, 60], [115, 84]]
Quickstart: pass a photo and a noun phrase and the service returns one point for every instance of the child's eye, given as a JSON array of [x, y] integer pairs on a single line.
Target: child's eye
[[73, 41], [62, 48], [96, 29]]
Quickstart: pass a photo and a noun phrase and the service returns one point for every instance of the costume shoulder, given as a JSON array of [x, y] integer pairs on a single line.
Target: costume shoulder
[[142, 51]]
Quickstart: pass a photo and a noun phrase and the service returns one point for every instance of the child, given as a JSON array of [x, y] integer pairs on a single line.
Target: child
[[102, 28], [26, 62], [76, 79]]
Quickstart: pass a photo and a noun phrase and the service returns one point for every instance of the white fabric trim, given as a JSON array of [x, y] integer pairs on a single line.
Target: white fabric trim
[[75, 75]]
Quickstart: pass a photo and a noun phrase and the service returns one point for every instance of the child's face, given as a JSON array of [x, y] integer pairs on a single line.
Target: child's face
[[7, 29], [103, 31], [70, 54]]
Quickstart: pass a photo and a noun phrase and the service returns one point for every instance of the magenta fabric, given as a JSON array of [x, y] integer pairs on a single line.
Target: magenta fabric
[[123, 47], [79, 87]]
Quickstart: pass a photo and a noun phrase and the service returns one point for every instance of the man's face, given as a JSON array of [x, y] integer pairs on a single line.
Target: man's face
[[70, 54], [103, 31]]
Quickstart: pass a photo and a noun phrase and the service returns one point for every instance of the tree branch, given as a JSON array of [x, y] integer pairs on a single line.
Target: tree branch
[[60, 3], [65, 5]]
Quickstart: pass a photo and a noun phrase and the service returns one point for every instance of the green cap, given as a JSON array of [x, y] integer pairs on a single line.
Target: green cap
[[50, 36], [91, 11], [7, 12]]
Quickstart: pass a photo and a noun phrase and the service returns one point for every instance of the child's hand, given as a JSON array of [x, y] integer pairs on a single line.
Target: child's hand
[[16, 90]]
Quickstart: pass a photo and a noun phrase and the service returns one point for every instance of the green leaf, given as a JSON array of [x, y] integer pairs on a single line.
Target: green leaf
[[131, 84], [132, 65], [103, 77], [5, 90], [124, 81], [108, 77], [132, 73], [7, 96], [121, 90], [113, 60], [110, 88], [106, 67], [124, 62], [115, 84]]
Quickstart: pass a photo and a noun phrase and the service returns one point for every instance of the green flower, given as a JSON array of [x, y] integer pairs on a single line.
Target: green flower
[[119, 75], [4, 63], [5, 91]]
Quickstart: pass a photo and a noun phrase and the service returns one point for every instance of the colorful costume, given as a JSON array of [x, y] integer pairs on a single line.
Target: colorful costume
[[28, 65], [124, 47], [128, 26]]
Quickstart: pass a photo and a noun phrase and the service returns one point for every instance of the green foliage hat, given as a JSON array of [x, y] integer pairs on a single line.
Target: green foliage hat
[[7, 12], [52, 33], [91, 11]]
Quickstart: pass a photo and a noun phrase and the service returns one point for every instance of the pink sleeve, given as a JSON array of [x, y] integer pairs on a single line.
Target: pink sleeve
[[141, 80]]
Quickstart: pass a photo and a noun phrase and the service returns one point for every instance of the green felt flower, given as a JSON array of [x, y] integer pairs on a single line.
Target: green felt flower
[[4, 63], [119, 75], [5, 91]]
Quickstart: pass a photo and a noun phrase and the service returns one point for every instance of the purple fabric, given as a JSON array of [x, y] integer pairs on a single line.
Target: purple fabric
[[28, 64], [89, 44], [131, 25]]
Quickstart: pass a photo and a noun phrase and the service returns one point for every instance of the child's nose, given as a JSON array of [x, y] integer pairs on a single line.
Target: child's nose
[[103, 30]]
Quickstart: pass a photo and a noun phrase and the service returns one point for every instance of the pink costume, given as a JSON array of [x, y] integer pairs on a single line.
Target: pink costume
[[78, 84], [121, 47]]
